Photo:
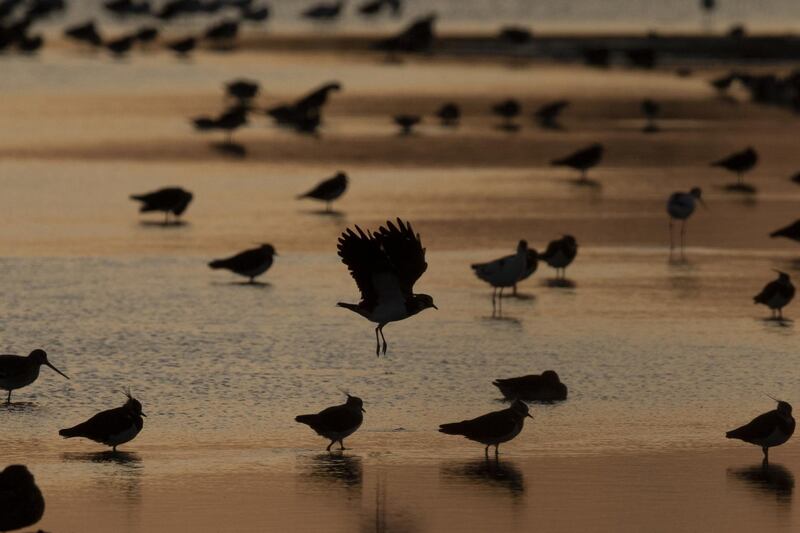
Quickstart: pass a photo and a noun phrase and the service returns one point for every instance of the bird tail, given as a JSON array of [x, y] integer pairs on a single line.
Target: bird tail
[[301, 196], [137, 197], [780, 233], [352, 307], [308, 420], [557, 162], [456, 428], [217, 263], [734, 434], [70, 432]]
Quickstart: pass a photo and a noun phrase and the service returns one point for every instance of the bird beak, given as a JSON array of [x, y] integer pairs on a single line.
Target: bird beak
[[434, 306], [144, 415], [57, 370], [529, 415], [363, 410], [781, 273], [703, 203]]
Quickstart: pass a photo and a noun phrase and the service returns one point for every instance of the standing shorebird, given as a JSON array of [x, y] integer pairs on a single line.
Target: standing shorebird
[[242, 90], [503, 272], [739, 163], [338, 422], [112, 427], [491, 429], [449, 114], [21, 501], [324, 12], [250, 263], [169, 200], [385, 265], [328, 190], [770, 429], [508, 110], [776, 294], [406, 122], [547, 115], [651, 110], [560, 253], [680, 206], [17, 371], [582, 160], [792, 231], [533, 387]]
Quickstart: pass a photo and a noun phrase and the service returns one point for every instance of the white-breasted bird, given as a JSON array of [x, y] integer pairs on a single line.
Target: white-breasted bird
[[776, 294], [338, 422], [328, 190], [385, 265], [112, 427], [503, 272], [680, 206], [768, 430], [250, 263], [560, 253], [17, 371], [491, 429]]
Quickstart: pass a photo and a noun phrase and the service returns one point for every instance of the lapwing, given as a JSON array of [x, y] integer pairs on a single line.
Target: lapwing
[[792, 231], [680, 206], [328, 190], [546, 387], [385, 266], [324, 12], [17, 371], [406, 122], [504, 272], [173, 200], [449, 114], [113, 427], [491, 429], [768, 430], [250, 263], [582, 160], [739, 163], [548, 114], [21, 501], [338, 422], [776, 294], [560, 253]]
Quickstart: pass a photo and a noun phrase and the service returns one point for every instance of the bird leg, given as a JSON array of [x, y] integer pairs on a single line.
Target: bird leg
[[229, 140], [341, 444], [766, 455], [8, 400], [385, 344], [583, 174], [494, 300], [514, 291], [780, 313], [496, 450], [486, 451], [671, 240], [377, 342], [328, 207], [329, 446], [683, 236], [166, 218]]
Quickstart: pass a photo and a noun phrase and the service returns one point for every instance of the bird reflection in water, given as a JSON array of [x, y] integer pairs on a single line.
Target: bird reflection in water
[[771, 479], [381, 519], [337, 467], [493, 473], [120, 472]]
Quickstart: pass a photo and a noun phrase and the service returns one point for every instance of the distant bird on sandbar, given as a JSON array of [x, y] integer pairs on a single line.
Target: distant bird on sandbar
[[242, 90], [792, 231], [739, 163], [230, 121], [146, 34], [508, 110], [723, 83], [250, 263], [546, 387], [21, 501], [651, 110], [222, 33], [375, 7], [560, 253], [328, 190], [338, 422], [113, 427], [776, 294], [680, 206], [85, 33], [449, 114], [173, 200], [504, 272], [406, 123], [515, 35], [255, 14], [324, 12], [385, 265], [123, 8], [183, 47], [17, 371], [547, 115], [582, 160], [771, 429], [121, 46], [492, 429], [418, 37], [304, 114]]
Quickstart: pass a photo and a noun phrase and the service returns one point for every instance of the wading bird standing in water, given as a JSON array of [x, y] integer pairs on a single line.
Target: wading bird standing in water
[[21, 501], [338, 422], [112, 427], [582, 160], [17, 371], [250, 263], [169, 200], [680, 206], [776, 294], [504, 272], [328, 190], [770, 429], [385, 265], [491, 429], [560, 254]]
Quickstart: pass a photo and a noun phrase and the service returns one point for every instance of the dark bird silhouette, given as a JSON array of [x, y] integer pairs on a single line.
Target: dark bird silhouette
[[120, 47], [325, 12], [222, 32], [242, 89], [491, 429], [385, 266], [375, 7], [183, 47], [113, 427], [229, 121], [416, 38], [255, 14], [644, 58], [21, 501], [531, 264], [739, 162], [169, 200], [338, 422], [124, 8], [776, 294], [146, 34], [547, 115], [250, 263], [651, 110], [722, 83], [792, 231], [406, 122], [680, 206], [796, 178], [597, 57], [449, 114], [508, 110], [30, 44], [328, 190], [85, 33], [582, 160], [515, 35], [504, 272], [768, 430], [17, 371], [533, 388], [304, 115], [560, 253]]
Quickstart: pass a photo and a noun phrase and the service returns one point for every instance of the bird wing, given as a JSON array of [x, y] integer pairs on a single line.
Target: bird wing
[[10, 365], [490, 269], [404, 251], [104, 424], [759, 428], [338, 418], [495, 424], [551, 250], [770, 290], [365, 259]]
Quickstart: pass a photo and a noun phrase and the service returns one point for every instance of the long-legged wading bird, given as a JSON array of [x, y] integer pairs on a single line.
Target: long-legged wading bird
[[546, 387], [112, 427], [328, 190], [776, 294], [385, 265], [338, 422], [582, 160], [680, 206], [560, 253], [491, 429], [250, 263], [169, 200], [503, 272], [21, 501], [739, 162], [792, 231], [17, 371], [768, 430]]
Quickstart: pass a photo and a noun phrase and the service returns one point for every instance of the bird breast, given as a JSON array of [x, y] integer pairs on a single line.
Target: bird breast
[[123, 436], [499, 439]]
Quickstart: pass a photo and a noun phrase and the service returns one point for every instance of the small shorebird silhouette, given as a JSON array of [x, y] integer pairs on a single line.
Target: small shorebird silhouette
[[374, 7], [406, 122], [338, 422], [582, 160], [17, 371], [792, 231], [250, 263], [304, 115], [508, 110], [182, 47], [21, 501], [328, 190], [85, 33], [503, 272], [169, 200], [112, 427], [223, 32], [385, 265], [651, 110], [739, 162], [449, 114], [680, 206], [491, 429], [776, 294], [533, 387], [242, 90], [146, 34], [122, 45], [560, 253], [325, 12], [770, 429], [548, 114], [417, 37]]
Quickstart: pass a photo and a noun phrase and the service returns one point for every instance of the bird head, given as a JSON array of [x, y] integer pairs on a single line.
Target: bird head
[[520, 409], [355, 402], [783, 277], [341, 175], [39, 357], [424, 301], [269, 249], [522, 246], [16, 475], [550, 376], [697, 193], [784, 408], [133, 405], [570, 241]]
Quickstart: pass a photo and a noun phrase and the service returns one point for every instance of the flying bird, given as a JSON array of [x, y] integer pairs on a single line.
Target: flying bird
[[21, 501], [491, 429], [328, 190], [338, 422], [582, 160], [17, 371], [250, 263], [112, 427], [546, 387], [504, 272], [771, 429], [385, 266], [560, 253], [792, 231], [776, 294], [169, 200], [739, 162], [680, 206]]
